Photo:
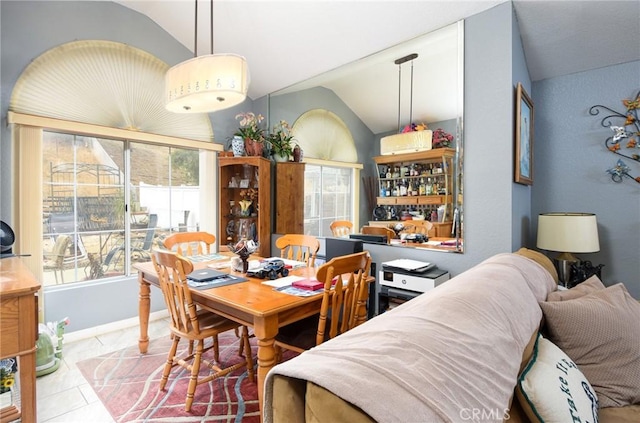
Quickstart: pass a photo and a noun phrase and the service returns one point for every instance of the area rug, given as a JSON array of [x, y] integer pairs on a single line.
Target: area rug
[[127, 384]]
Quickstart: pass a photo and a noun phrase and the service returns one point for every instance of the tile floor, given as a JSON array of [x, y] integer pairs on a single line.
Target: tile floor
[[64, 396]]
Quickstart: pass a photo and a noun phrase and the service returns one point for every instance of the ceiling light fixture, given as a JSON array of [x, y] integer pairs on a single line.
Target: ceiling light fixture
[[409, 140], [207, 83]]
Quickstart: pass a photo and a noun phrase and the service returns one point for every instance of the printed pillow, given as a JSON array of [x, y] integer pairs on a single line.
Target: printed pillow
[[552, 388], [584, 288], [600, 332]]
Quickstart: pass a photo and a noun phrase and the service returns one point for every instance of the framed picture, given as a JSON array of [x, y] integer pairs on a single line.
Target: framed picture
[[524, 138], [244, 183]]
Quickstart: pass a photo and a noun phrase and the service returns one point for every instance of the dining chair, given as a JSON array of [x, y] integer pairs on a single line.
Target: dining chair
[[194, 325], [346, 289], [54, 260], [194, 243], [190, 243], [379, 230], [341, 228], [299, 247], [418, 227]]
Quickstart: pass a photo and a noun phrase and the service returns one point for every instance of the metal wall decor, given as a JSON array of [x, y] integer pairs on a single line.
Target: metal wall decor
[[625, 140]]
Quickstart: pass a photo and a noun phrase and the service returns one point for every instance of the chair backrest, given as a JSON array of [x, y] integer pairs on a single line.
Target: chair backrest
[[418, 227], [348, 298], [190, 243], [341, 228], [172, 272], [60, 249], [299, 247], [151, 231], [379, 230]]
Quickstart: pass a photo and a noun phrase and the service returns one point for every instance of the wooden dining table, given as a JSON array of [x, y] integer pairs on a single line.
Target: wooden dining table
[[250, 303]]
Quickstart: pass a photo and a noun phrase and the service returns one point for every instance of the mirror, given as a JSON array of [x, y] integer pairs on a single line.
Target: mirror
[[374, 97]]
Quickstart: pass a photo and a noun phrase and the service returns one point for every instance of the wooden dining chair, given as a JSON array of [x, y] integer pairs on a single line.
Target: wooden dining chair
[[299, 247], [194, 243], [346, 289], [379, 230], [194, 325], [190, 243], [418, 227], [341, 228]]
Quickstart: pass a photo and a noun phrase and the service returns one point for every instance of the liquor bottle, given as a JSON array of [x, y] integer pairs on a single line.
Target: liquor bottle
[[383, 190], [429, 187], [422, 189], [403, 188], [388, 189], [388, 174]]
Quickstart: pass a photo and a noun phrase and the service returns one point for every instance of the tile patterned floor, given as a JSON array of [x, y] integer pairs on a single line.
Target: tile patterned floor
[[64, 396]]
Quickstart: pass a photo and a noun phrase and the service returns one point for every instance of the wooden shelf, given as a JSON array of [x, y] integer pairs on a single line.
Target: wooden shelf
[[233, 226]]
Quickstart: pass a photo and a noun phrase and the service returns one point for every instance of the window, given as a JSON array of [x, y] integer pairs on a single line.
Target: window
[[107, 202], [329, 194]]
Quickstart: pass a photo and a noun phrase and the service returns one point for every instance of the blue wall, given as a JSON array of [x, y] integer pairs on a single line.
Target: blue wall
[[571, 162], [569, 156]]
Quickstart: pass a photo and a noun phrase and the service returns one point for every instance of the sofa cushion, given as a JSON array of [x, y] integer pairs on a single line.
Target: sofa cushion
[[584, 288], [600, 332], [552, 388], [628, 414], [541, 259]]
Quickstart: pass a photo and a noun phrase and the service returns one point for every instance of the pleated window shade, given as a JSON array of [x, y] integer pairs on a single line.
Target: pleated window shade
[[104, 83]]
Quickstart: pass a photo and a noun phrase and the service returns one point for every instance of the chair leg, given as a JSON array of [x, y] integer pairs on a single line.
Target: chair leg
[[193, 379], [247, 352], [169, 364], [216, 349]]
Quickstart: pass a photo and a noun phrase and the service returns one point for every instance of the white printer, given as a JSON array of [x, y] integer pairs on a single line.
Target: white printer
[[406, 279]]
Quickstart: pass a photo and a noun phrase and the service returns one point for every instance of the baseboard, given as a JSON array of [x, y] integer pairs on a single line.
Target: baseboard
[[113, 326]]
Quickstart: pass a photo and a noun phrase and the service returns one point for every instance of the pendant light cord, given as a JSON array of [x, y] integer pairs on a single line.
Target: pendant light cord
[[399, 62], [211, 26], [195, 31]]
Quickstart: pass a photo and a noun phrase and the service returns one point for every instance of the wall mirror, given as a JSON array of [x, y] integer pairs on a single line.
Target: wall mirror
[[374, 97]]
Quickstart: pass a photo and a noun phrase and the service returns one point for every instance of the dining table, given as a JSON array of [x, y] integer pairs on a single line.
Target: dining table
[[251, 302]]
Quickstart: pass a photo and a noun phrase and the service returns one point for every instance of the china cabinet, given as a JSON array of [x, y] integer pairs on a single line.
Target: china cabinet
[[419, 183], [289, 190], [245, 202]]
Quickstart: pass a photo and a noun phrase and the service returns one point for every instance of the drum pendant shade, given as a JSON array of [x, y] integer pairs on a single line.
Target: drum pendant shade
[[207, 83]]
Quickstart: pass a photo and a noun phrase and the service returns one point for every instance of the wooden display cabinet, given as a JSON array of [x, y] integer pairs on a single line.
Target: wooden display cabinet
[[18, 334], [239, 178], [289, 202], [419, 182]]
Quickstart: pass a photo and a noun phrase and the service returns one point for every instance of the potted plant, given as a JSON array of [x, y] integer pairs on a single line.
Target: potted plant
[[251, 132], [280, 139]]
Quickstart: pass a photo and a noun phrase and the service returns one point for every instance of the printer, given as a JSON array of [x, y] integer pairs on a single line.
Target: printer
[[402, 280]]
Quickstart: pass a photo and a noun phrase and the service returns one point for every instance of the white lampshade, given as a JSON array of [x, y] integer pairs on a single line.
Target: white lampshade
[[207, 83], [568, 232]]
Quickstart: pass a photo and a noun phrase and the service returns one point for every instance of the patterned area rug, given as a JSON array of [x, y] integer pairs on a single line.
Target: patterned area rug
[[127, 384]]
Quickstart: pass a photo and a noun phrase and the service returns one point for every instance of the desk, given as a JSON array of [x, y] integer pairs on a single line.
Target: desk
[[250, 303], [19, 332]]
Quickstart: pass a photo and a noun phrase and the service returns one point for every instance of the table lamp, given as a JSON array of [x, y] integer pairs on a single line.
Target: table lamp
[[567, 233]]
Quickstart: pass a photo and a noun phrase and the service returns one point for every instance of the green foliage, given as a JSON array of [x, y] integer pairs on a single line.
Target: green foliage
[[186, 164]]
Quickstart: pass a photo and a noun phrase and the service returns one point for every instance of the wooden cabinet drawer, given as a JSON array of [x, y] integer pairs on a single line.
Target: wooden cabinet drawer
[[9, 330]]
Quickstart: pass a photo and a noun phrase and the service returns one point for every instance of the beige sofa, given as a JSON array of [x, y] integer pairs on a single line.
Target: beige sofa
[[454, 354]]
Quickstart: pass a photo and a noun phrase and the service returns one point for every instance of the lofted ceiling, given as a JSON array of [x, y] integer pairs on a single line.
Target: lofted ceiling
[[286, 42]]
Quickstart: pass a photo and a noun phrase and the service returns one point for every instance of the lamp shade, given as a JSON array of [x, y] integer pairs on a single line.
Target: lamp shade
[[207, 83], [568, 232]]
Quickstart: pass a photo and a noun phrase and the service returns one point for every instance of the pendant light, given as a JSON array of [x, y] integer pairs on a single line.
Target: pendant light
[[207, 83], [411, 141]]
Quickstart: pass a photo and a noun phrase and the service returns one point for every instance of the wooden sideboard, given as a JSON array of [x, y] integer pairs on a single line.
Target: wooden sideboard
[[19, 333]]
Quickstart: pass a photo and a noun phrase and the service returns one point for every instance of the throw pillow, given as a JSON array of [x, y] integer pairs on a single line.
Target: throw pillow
[[552, 388], [600, 332], [584, 288]]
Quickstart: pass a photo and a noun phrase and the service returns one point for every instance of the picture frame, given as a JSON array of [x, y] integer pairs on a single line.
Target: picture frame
[[244, 183], [524, 137]]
